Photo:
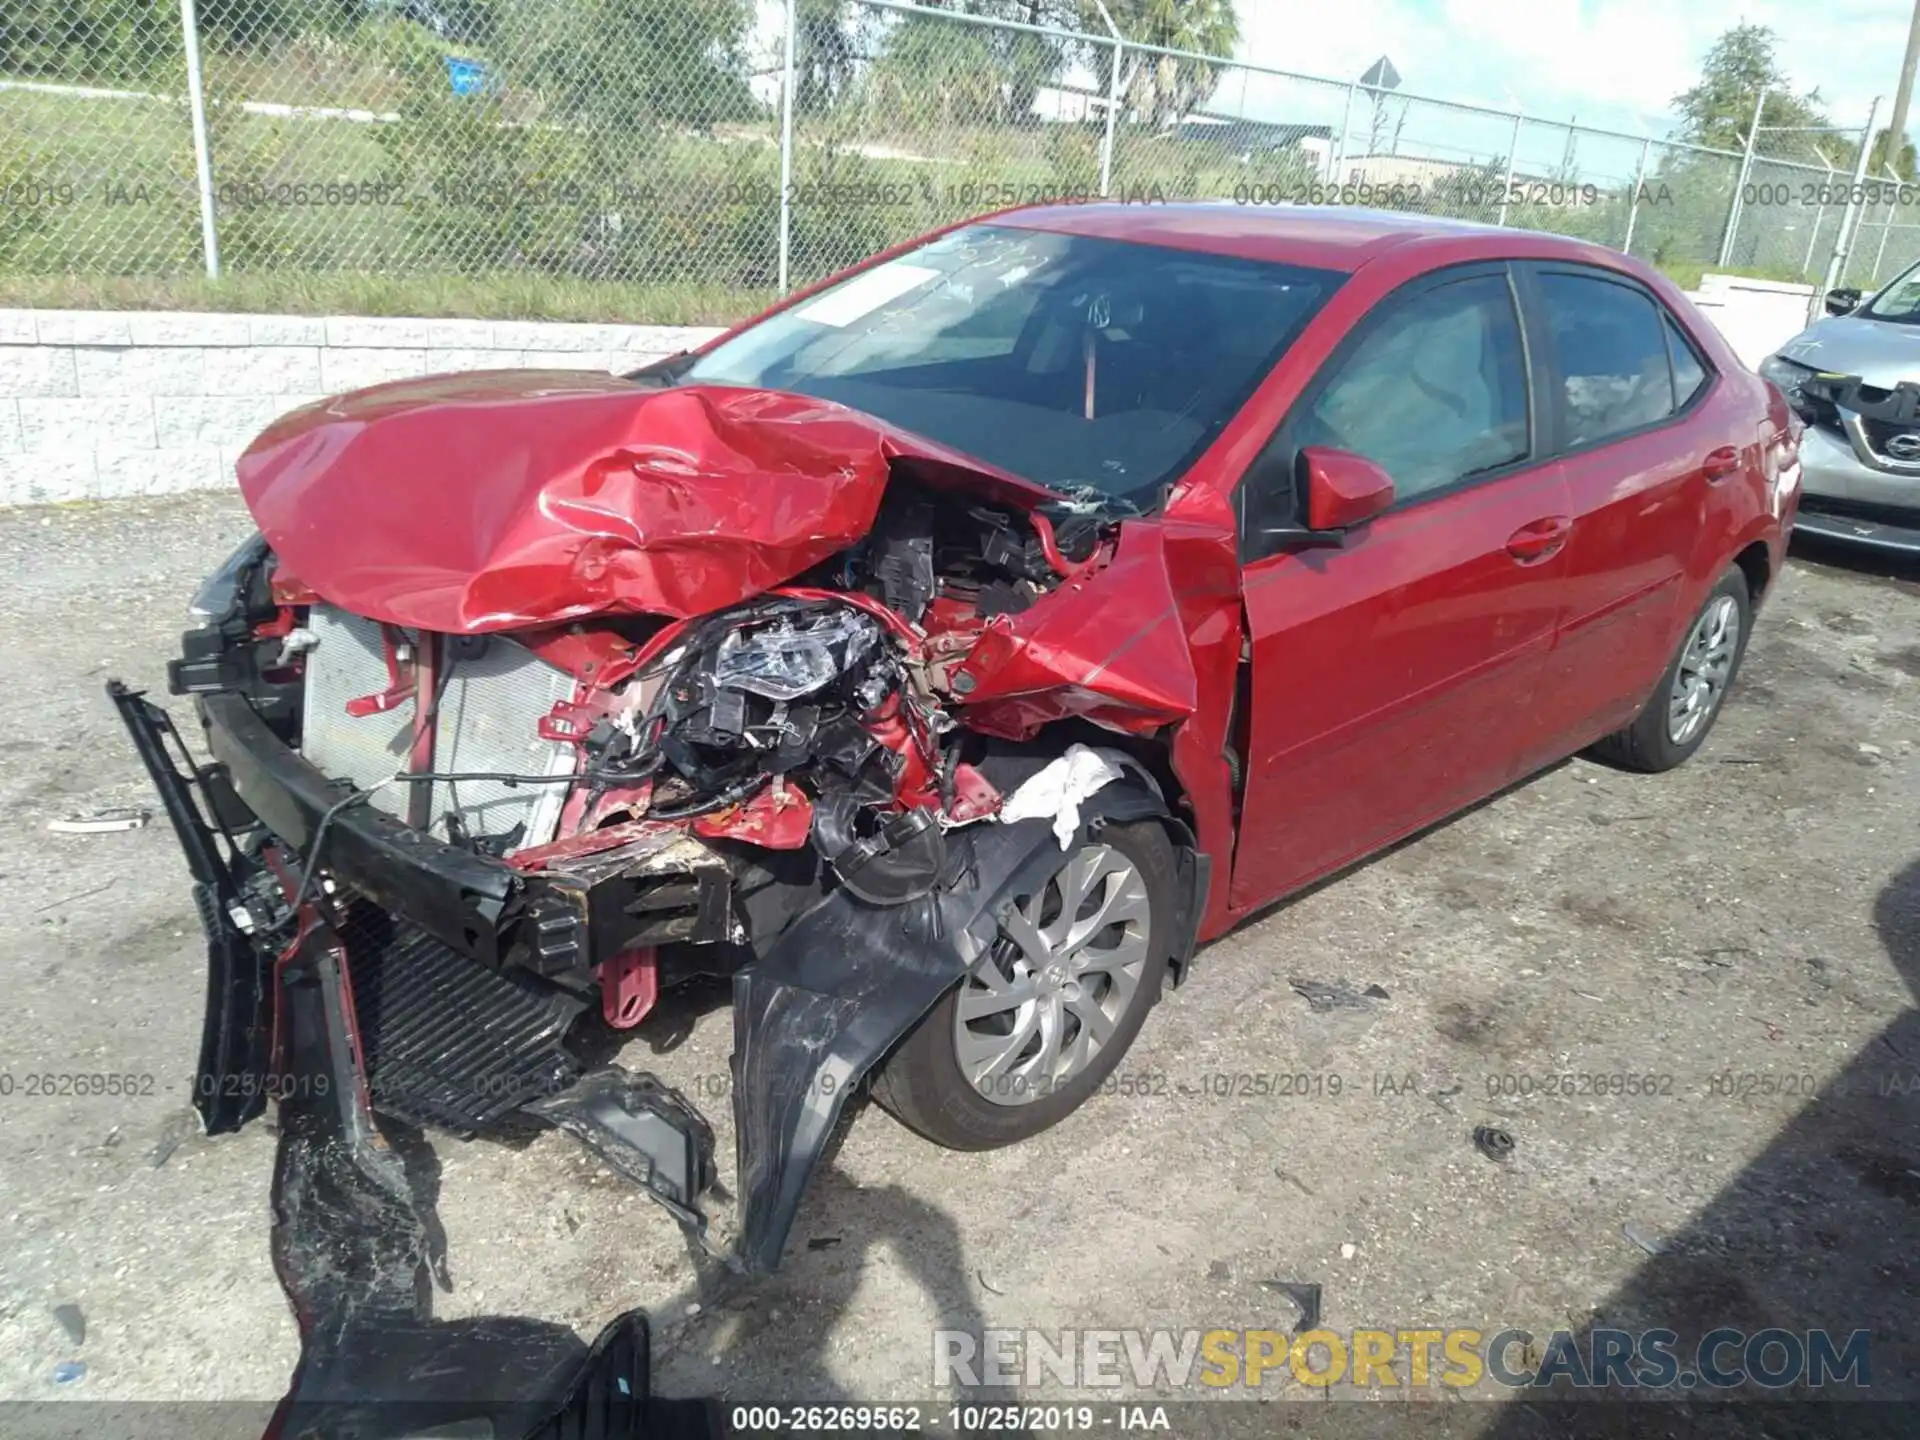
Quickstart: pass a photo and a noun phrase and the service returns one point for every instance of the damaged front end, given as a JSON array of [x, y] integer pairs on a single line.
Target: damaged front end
[[740, 688]]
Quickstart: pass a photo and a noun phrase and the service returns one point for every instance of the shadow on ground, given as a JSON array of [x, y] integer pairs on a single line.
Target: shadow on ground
[[1820, 1232]]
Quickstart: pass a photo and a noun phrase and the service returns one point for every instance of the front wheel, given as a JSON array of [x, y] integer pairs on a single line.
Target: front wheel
[[1034, 1029], [1687, 700]]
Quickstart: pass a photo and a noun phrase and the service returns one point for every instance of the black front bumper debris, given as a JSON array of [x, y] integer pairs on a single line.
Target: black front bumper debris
[[436, 1035], [354, 1245], [237, 1030], [462, 899], [414, 1029]]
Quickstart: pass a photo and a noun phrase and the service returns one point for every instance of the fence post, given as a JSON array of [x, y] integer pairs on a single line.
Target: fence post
[[1740, 185], [202, 160], [1819, 214], [786, 152], [1880, 256], [1346, 122], [1843, 241], [1633, 205], [1113, 100], [1113, 117], [1513, 149]]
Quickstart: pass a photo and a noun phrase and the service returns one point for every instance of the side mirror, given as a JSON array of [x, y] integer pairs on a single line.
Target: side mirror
[[1341, 489], [1843, 301]]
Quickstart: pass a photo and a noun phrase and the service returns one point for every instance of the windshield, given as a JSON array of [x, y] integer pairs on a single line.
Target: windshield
[[1080, 363], [1900, 300]]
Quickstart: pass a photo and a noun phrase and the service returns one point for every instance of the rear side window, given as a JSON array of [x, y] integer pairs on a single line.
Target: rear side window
[[1435, 392], [1614, 371], [1689, 372]]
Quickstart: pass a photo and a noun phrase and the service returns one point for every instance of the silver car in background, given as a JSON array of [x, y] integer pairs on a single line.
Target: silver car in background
[[1854, 377]]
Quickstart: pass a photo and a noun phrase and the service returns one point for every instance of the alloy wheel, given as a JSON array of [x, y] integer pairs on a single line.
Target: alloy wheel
[[1706, 664], [1044, 1002]]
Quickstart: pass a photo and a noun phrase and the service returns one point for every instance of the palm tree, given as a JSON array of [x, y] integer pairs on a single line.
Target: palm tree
[[1163, 88]]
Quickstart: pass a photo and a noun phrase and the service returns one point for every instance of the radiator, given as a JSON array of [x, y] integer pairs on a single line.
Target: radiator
[[492, 698], [446, 1041]]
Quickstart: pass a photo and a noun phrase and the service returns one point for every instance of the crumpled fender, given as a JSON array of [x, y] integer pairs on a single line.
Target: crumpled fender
[[844, 983], [1150, 641], [470, 503]]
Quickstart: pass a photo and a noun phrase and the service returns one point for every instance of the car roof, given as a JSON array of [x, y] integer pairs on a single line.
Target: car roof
[[1328, 237]]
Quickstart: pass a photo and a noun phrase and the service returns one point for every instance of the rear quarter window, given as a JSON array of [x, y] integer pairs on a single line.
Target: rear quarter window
[[1689, 370], [1610, 340]]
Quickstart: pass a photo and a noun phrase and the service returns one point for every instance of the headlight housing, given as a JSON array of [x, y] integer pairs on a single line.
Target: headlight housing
[[1789, 375], [223, 593], [795, 655]]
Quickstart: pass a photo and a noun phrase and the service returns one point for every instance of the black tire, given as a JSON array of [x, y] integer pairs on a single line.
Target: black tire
[[1647, 744], [921, 1083]]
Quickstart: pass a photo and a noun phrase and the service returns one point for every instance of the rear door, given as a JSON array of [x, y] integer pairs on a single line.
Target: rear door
[[1622, 384], [1392, 678]]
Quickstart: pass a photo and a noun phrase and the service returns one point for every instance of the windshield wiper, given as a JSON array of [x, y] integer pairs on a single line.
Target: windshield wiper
[[662, 374]]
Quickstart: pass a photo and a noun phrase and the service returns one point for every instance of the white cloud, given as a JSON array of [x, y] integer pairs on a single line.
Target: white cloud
[[1613, 63]]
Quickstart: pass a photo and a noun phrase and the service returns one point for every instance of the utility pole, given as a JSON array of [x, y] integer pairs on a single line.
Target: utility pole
[[1844, 237], [1902, 94]]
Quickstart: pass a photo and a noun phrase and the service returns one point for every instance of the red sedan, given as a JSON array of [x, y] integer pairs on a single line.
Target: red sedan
[[940, 656]]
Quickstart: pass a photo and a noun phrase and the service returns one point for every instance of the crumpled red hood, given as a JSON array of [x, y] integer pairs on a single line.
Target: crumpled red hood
[[469, 503]]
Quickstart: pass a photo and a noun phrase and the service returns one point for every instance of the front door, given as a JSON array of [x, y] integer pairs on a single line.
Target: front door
[[1393, 677]]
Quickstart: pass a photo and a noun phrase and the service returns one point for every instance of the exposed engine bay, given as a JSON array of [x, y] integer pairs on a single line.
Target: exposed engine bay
[[821, 713]]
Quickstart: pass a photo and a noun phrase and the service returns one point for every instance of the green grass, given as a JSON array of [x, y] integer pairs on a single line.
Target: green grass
[[492, 297], [665, 226]]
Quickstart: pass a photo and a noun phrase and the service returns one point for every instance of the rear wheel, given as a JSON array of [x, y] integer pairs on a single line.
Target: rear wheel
[[1036, 1027], [1687, 700]]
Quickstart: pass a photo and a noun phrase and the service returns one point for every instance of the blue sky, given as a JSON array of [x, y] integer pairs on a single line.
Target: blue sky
[[1615, 63]]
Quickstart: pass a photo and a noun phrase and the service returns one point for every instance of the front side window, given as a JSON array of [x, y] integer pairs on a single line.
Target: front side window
[[1087, 365], [1435, 392], [1615, 376]]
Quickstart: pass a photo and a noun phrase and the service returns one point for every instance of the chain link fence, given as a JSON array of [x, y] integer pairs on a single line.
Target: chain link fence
[[96, 146], [707, 154]]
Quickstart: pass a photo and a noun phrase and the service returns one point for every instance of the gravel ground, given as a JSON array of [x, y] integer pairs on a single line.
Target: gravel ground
[[1751, 916]]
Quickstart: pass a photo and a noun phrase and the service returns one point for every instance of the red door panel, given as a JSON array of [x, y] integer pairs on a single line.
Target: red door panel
[[1637, 508], [1643, 463], [1393, 680]]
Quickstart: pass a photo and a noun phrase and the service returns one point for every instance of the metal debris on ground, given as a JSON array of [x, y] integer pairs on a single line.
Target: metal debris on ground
[[1493, 1142], [1325, 995], [102, 822], [1293, 1179], [179, 1127], [1648, 1242], [69, 899]]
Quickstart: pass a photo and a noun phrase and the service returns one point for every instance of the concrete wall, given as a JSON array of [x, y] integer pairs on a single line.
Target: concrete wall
[[106, 404], [1756, 316]]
